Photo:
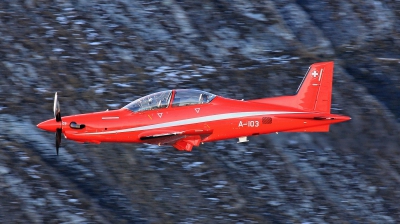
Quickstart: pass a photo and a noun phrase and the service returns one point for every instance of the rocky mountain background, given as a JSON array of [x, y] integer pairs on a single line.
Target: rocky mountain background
[[101, 55]]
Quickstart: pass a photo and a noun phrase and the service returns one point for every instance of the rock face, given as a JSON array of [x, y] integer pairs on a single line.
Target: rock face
[[103, 54]]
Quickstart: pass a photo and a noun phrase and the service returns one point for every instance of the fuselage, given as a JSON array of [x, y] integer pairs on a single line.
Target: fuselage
[[185, 118], [226, 118]]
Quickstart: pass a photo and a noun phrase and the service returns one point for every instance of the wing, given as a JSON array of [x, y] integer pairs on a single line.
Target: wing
[[181, 140]]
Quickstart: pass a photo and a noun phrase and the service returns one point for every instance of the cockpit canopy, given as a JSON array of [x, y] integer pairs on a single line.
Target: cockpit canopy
[[181, 97]]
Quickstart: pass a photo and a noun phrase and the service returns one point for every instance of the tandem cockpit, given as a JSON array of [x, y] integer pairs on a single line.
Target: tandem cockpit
[[170, 98]]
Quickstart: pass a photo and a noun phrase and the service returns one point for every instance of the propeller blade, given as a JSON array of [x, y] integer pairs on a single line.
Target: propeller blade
[[56, 108], [57, 115], [58, 139]]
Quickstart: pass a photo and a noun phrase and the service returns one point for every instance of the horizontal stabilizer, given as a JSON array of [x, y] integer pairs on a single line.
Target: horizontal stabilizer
[[315, 116]]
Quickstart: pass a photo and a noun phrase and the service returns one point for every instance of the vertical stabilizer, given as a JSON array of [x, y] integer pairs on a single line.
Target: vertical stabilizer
[[315, 91]]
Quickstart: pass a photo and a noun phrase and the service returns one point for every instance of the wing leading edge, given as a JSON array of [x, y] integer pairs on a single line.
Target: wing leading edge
[[181, 140]]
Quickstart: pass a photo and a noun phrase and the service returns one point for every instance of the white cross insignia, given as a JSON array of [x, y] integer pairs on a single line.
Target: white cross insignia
[[314, 74]]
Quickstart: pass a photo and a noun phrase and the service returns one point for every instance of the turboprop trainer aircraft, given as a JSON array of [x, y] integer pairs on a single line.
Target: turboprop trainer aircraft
[[185, 118]]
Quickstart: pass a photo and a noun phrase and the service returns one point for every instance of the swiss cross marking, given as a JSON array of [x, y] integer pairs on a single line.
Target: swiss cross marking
[[314, 74]]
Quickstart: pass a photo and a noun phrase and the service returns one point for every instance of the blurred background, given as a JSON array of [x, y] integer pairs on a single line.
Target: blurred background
[[101, 55]]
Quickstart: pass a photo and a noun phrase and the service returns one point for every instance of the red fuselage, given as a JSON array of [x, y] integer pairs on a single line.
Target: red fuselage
[[186, 118]]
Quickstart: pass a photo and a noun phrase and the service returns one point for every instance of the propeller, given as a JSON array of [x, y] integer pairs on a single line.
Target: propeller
[[58, 139], [57, 115], [56, 108]]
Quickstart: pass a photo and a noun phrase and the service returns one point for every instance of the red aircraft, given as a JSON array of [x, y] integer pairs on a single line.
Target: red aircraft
[[185, 118]]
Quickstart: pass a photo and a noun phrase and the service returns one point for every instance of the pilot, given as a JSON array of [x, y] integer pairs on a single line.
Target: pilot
[[203, 98]]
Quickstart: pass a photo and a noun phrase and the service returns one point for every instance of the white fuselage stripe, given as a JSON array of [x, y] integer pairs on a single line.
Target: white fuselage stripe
[[195, 120]]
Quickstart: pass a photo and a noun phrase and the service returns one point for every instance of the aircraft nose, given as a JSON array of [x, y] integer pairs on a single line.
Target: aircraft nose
[[49, 125]]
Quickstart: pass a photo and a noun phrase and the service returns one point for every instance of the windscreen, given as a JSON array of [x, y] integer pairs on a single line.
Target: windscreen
[[151, 102]]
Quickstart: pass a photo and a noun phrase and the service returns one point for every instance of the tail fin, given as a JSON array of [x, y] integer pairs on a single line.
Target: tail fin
[[314, 92]]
